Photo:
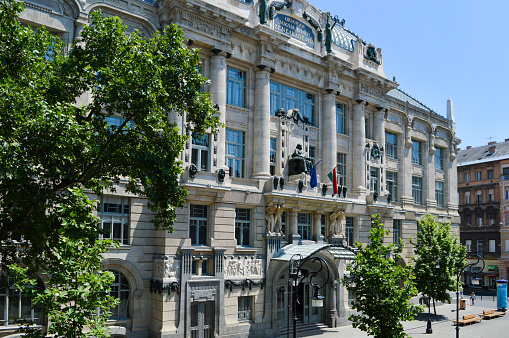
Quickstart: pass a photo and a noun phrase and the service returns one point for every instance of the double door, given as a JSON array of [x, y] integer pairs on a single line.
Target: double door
[[304, 309], [202, 319]]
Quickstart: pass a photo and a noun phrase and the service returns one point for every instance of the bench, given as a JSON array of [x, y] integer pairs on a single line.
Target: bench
[[467, 319], [488, 314]]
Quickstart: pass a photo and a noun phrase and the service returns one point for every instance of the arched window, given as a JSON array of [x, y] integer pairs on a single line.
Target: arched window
[[120, 290], [15, 304], [491, 213]]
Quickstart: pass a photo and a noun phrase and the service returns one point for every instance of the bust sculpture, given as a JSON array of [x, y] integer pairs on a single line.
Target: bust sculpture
[[299, 163]]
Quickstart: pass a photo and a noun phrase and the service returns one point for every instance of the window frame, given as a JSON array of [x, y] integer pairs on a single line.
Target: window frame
[[417, 190], [341, 119], [200, 149], [341, 168], [119, 293], [439, 194], [201, 222], [8, 291], [235, 159], [124, 217], [235, 97], [273, 156], [243, 224], [439, 159], [392, 181], [245, 308], [304, 227], [396, 231], [416, 152], [391, 146], [280, 97], [349, 231]]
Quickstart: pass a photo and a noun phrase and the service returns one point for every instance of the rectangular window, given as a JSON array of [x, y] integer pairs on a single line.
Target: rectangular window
[[490, 174], [349, 231], [340, 119], [479, 221], [467, 197], [373, 182], [492, 245], [417, 190], [235, 151], [245, 308], [287, 98], [439, 159], [236, 90], [491, 195], [477, 175], [198, 223], [341, 169], [283, 223], [303, 225], [507, 193], [468, 245], [273, 156], [439, 194], [478, 196], [507, 245], [480, 249], [200, 152], [114, 214], [242, 226], [391, 178], [312, 154], [15, 304], [396, 231], [366, 127], [323, 225], [416, 152], [467, 177], [391, 145]]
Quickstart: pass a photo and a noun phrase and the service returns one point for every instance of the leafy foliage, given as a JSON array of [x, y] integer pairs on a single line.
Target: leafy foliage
[[438, 257], [54, 130], [382, 287], [76, 295]]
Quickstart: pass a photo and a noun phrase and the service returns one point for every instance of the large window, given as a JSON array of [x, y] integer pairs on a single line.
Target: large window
[[285, 97], [15, 304], [340, 119], [478, 196], [200, 153], [439, 159], [114, 214], [236, 87], [468, 245], [416, 152], [391, 145], [478, 176], [198, 223], [396, 231], [349, 231], [491, 244], [391, 179], [120, 290], [283, 223], [304, 225], [235, 151], [439, 194], [341, 168], [417, 189], [373, 186], [242, 226], [467, 177], [245, 308], [273, 156], [480, 248], [467, 197]]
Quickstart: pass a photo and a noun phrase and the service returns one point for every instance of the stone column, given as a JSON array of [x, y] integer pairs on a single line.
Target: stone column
[[293, 233], [317, 228], [379, 128], [405, 176], [451, 181], [218, 93], [261, 130], [429, 174], [328, 128], [358, 145]]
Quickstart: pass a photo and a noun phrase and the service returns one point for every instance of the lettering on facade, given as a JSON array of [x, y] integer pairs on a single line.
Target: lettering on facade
[[238, 267], [294, 28]]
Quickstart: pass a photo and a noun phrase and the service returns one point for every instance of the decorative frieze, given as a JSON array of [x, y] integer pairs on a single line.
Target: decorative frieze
[[166, 267], [243, 266]]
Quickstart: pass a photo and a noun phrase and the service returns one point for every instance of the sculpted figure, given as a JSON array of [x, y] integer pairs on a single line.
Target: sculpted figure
[[299, 163], [270, 218], [336, 225], [263, 12], [278, 212]]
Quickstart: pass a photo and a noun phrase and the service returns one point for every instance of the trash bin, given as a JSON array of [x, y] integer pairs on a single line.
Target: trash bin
[[463, 304], [501, 295]]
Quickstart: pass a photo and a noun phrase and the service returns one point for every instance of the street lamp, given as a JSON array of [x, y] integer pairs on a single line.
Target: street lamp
[[458, 290], [296, 274]]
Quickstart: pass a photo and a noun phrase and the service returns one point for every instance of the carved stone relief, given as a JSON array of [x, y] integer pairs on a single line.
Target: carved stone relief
[[166, 267], [336, 226], [243, 266]]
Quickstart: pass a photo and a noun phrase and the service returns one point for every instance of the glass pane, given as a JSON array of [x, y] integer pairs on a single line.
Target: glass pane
[[245, 235], [117, 230], [204, 160]]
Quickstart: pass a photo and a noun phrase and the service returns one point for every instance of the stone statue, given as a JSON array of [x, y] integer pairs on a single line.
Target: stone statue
[[270, 218], [336, 225], [328, 33], [278, 212], [299, 163], [262, 13]]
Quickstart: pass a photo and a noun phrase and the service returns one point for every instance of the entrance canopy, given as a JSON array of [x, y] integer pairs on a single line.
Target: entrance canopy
[[308, 250]]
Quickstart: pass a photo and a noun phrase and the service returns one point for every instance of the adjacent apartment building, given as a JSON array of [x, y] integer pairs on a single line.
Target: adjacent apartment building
[[483, 189], [294, 86]]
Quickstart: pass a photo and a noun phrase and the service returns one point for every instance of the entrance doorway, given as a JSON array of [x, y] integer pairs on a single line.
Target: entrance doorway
[[202, 319]]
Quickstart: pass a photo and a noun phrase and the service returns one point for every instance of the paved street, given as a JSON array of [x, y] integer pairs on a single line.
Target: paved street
[[442, 324]]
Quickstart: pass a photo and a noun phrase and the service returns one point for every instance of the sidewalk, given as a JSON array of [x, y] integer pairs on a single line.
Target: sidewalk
[[442, 324]]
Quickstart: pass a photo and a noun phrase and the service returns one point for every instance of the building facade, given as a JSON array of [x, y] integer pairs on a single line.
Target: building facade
[[295, 89], [483, 191]]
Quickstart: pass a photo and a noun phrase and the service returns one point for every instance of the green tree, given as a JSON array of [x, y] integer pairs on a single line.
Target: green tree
[[439, 256], [383, 288], [50, 143], [76, 296]]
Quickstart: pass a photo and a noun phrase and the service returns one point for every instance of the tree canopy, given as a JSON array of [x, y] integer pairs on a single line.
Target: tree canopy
[[439, 256], [383, 288], [49, 143]]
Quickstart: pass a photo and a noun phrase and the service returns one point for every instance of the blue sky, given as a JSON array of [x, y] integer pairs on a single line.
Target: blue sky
[[439, 50]]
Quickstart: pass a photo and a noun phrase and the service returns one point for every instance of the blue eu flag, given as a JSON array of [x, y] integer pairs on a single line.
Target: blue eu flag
[[314, 178]]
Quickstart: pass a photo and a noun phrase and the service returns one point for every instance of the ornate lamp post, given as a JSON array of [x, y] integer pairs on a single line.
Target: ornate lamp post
[[296, 274], [479, 258]]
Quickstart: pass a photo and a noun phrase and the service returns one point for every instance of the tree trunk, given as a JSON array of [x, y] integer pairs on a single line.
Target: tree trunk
[[434, 307]]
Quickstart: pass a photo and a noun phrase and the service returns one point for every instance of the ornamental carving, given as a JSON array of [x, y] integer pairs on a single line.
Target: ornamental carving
[[372, 91], [273, 218], [166, 267], [336, 227], [239, 267]]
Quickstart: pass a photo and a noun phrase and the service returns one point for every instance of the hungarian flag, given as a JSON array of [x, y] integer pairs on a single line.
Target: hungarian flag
[[333, 176]]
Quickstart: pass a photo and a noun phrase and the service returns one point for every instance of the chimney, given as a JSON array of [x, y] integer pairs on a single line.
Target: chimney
[[506, 140], [492, 148], [492, 143], [469, 147]]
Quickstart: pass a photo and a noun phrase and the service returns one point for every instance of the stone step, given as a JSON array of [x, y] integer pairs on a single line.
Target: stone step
[[303, 328]]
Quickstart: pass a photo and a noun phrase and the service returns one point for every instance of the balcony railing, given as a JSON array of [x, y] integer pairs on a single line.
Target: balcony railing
[[484, 228]]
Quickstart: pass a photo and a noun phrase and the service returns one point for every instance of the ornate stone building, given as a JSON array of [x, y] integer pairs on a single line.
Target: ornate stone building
[[294, 86]]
